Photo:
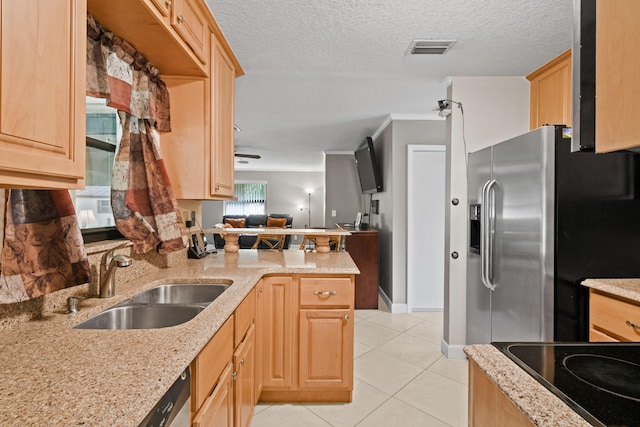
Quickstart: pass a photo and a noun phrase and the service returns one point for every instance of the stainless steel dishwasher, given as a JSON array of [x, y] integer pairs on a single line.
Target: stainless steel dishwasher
[[173, 408]]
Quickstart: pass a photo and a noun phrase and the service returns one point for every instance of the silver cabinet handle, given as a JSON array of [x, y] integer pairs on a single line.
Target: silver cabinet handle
[[241, 362], [325, 293], [168, 3], [346, 317], [633, 325], [180, 19], [234, 376]]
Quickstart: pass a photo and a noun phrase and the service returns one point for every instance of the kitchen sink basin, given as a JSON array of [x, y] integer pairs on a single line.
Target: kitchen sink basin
[[159, 307], [147, 316], [180, 293]]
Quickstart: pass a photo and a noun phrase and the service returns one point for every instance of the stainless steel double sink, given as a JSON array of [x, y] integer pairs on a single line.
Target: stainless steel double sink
[[159, 307]]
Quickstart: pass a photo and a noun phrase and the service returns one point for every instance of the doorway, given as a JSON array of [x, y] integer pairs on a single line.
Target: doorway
[[425, 227]]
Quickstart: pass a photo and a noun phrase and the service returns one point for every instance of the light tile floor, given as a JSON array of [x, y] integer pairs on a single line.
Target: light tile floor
[[401, 379]]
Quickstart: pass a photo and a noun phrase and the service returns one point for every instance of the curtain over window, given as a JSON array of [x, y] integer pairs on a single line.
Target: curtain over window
[[43, 249], [144, 206], [250, 197]]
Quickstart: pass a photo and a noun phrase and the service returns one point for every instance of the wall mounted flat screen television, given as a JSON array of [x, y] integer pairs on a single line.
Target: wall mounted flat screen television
[[368, 171]]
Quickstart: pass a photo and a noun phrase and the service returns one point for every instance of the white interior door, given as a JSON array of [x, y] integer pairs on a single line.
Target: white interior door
[[425, 227]]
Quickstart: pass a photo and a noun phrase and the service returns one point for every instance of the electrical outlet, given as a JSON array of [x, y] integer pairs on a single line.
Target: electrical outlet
[[193, 217], [333, 213], [295, 237]]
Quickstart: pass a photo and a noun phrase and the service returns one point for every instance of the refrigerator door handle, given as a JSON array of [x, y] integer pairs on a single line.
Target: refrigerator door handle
[[487, 223]]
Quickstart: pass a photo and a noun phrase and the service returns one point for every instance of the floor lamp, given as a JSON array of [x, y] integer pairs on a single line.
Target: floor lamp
[[309, 191]]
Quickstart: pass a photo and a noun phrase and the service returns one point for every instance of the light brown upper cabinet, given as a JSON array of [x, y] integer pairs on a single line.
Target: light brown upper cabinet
[[223, 73], [617, 70], [152, 27], [550, 98], [606, 66], [189, 20], [42, 100]]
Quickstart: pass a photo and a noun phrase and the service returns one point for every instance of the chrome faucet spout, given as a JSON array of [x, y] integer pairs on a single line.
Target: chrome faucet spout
[[108, 267]]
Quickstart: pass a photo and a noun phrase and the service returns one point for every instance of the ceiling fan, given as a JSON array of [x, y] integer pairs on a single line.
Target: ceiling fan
[[247, 156], [242, 155]]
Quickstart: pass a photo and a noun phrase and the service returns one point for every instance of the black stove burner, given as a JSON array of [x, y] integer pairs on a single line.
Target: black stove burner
[[600, 381], [609, 374]]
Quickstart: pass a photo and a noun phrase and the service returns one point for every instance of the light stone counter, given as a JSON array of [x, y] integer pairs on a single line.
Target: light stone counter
[[625, 288], [51, 374], [541, 406]]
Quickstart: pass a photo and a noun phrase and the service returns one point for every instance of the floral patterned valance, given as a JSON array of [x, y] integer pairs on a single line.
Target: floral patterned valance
[[123, 76]]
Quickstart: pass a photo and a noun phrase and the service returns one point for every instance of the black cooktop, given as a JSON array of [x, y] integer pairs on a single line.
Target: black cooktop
[[600, 381]]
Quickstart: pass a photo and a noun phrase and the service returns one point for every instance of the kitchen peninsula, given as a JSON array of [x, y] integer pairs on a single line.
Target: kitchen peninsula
[[53, 374]]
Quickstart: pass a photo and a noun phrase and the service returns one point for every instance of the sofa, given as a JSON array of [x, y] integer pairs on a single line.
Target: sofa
[[246, 241]]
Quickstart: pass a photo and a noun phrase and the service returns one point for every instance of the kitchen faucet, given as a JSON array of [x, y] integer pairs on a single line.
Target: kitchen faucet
[[108, 264]]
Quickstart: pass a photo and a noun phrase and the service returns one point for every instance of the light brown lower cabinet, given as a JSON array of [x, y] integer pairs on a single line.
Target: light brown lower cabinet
[[488, 405], [326, 349], [612, 318], [290, 340], [307, 339]]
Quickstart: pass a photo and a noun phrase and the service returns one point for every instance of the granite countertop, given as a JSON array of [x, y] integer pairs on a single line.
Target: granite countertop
[[625, 288], [541, 406], [52, 374]]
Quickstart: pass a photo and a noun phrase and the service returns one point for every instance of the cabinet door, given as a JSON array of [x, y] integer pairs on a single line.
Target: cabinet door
[[208, 365], [222, 88], [277, 332], [217, 410], [42, 100], [617, 69], [326, 349], [550, 99], [189, 21], [259, 338], [488, 405], [163, 6], [244, 388]]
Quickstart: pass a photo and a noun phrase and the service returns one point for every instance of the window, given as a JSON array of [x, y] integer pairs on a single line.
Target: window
[[251, 199], [93, 204]]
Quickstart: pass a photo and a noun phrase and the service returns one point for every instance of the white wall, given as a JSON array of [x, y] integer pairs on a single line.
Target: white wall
[[342, 188], [495, 109]]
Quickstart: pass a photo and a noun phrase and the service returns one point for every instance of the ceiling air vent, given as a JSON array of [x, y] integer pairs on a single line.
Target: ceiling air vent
[[430, 47]]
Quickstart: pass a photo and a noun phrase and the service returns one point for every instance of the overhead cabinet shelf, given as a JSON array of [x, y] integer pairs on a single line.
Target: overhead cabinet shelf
[[153, 28]]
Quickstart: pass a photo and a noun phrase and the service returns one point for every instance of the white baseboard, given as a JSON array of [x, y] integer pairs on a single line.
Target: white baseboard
[[394, 308], [452, 351]]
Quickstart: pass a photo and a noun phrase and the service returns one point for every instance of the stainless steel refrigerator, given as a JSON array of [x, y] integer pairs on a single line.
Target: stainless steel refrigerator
[[542, 219]]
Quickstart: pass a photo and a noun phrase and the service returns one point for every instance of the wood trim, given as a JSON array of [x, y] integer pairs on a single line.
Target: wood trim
[[306, 396], [558, 60]]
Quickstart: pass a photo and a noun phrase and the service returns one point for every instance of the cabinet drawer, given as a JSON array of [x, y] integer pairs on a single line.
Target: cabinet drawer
[[209, 364], [610, 315], [326, 291], [245, 313]]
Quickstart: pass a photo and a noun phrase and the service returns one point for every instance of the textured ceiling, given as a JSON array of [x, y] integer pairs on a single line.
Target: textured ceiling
[[323, 74]]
